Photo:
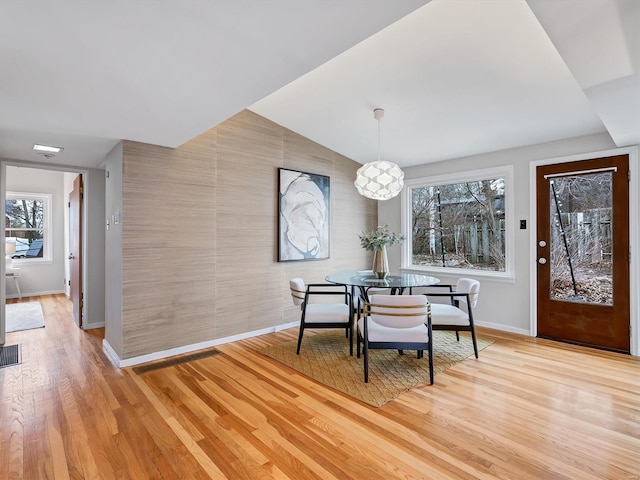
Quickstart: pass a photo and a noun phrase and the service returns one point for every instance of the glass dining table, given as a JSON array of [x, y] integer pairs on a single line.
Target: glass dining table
[[366, 280]]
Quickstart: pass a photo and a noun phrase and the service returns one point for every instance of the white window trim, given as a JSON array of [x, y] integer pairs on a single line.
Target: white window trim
[[47, 199], [505, 172]]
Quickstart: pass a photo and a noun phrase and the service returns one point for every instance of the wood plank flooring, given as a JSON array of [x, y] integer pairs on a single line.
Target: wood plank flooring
[[527, 409]]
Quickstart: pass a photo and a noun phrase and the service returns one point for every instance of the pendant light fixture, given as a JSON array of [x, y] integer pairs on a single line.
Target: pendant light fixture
[[379, 180]]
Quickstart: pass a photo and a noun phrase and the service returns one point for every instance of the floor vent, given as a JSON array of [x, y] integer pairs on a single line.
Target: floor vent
[[174, 361], [9, 355]]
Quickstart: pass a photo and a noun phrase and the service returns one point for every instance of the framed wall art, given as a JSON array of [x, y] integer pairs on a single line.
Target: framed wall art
[[303, 216]]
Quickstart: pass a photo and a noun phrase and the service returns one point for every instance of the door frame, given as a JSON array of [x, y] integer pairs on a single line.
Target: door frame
[[3, 192], [634, 237], [75, 238]]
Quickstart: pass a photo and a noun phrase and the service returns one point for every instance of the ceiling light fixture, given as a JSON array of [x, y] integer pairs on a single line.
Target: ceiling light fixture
[[379, 180], [47, 148]]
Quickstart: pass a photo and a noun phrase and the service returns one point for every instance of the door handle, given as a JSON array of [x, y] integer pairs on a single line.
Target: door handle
[[542, 261], [71, 256]]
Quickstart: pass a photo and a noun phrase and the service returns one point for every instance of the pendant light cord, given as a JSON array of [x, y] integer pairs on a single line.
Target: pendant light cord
[[379, 139]]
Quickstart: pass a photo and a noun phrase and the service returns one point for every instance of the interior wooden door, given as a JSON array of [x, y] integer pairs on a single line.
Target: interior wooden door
[[75, 249], [583, 252]]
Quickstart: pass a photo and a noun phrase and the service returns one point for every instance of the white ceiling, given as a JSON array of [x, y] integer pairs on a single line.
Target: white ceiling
[[456, 77]]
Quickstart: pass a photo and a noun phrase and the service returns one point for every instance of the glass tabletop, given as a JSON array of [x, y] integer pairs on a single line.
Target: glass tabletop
[[367, 279]]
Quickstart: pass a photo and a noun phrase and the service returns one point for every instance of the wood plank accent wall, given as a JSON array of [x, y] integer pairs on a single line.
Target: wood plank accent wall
[[199, 233]]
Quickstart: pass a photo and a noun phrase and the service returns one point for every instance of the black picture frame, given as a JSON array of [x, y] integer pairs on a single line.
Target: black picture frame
[[304, 215]]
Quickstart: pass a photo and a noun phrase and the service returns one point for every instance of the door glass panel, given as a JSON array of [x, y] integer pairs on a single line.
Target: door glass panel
[[581, 238]]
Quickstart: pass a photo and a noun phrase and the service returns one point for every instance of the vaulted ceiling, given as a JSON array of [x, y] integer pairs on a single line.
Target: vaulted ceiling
[[455, 77]]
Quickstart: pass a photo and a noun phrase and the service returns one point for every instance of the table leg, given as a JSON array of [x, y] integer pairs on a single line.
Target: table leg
[[17, 287], [15, 280]]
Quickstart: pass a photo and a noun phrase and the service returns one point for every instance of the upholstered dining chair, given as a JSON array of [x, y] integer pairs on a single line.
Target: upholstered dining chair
[[395, 322], [322, 314], [457, 315]]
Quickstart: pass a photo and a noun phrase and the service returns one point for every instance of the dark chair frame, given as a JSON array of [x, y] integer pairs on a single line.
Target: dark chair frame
[[420, 347], [331, 289], [454, 298]]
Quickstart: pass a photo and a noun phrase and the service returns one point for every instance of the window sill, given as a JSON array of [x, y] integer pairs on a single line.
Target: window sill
[[498, 277], [29, 263]]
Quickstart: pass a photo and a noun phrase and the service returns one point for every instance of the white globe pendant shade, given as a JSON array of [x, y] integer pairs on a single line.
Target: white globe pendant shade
[[379, 180]]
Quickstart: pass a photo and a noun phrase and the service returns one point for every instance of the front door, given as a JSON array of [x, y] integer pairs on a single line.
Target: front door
[[583, 252], [75, 249]]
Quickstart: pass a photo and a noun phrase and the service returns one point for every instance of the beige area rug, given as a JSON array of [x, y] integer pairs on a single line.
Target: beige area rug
[[23, 316], [325, 358]]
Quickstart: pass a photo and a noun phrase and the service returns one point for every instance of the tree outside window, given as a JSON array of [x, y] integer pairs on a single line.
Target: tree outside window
[[25, 224], [459, 225], [580, 252]]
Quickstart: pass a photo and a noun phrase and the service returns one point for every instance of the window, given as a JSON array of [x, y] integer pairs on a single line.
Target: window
[[27, 217], [459, 222]]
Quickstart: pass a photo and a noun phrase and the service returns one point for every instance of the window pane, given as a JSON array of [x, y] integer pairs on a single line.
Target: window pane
[[29, 243], [581, 238], [459, 225], [22, 213], [25, 224]]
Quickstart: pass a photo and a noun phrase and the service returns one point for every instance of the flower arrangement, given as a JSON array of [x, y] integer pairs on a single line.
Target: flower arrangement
[[376, 239]]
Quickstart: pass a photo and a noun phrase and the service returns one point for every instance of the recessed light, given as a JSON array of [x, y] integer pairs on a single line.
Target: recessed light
[[47, 148]]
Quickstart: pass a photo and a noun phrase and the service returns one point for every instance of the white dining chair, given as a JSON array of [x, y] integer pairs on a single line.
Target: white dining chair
[[322, 315], [457, 314], [395, 322]]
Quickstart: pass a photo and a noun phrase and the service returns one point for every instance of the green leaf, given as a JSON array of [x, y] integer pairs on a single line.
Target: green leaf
[[376, 239]]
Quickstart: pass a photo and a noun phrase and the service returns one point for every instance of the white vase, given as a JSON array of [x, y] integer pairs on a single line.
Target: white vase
[[380, 263]]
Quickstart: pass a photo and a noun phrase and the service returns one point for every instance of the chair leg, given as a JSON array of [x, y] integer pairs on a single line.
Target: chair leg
[[430, 362], [350, 330], [457, 335], [473, 337], [366, 362], [300, 338]]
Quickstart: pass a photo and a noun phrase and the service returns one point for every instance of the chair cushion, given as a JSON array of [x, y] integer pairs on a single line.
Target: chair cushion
[[380, 333], [443, 314], [327, 313]]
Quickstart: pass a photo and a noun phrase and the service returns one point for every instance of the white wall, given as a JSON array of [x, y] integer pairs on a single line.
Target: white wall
[[46, 277], [113, 250], [94, 248], [503, 304]]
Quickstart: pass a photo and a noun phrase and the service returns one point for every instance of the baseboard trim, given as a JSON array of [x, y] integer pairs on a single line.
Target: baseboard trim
[[284, 326], [35, 294], [91, 326], [110, 353], [504, 328], [150, 357]]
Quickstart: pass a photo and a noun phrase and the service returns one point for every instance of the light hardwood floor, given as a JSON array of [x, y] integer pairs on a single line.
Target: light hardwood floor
[[527, 409]]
